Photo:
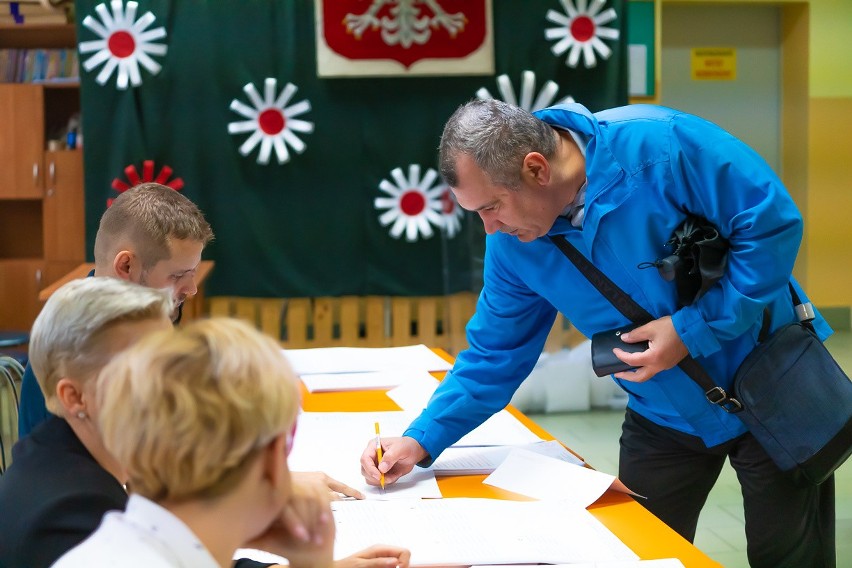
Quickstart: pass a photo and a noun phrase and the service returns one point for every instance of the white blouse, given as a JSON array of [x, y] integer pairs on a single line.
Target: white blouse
[[144, 535]]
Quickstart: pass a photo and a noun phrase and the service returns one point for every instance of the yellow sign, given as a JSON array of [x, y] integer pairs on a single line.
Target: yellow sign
[[714, 64]]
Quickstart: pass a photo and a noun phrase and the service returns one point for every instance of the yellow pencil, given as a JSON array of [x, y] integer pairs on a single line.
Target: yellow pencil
[[379, 455]]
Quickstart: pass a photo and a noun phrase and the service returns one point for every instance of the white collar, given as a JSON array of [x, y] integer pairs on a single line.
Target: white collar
[[165, 532]]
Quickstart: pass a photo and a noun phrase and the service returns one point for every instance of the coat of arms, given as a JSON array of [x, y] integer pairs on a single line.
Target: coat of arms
[[404, 37]]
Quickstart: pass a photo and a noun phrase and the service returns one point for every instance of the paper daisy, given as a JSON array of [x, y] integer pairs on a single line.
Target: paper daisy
[[507, 92], [580, 31], [414, 204], [125, 44], [271, 121]]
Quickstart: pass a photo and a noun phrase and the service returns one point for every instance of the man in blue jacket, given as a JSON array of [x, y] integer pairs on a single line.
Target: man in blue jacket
[[616, 185]]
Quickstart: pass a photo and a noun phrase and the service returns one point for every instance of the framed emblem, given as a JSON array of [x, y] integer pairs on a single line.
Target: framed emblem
[[362, 38]]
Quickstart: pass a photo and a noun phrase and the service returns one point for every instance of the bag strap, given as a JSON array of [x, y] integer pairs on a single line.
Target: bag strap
[[637, 314]]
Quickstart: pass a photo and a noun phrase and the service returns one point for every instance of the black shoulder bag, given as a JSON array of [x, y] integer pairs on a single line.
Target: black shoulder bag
[[789, 391]]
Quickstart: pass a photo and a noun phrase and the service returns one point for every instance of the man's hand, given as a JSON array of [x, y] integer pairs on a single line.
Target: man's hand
[[399, 456], [304, 531], [665, 350], [377, 556], [335, 488]]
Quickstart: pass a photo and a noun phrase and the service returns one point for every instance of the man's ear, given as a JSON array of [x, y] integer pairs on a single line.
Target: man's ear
[[123, 265], [69, 392], [536, 168]]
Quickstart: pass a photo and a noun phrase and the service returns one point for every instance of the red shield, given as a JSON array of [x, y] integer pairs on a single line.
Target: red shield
[[404, 30]]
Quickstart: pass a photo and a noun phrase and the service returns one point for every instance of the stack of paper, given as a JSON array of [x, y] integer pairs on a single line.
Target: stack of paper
[[478, 460], [477, 531], [364, 359]]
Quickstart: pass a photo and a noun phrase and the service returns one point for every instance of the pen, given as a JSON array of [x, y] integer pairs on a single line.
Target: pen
[[379, 455]]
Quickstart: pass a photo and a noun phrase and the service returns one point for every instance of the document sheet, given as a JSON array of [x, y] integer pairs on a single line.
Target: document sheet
[[332, 442], [468, 460], [464, 531], [368, 380], [543, 477], [363, 359]]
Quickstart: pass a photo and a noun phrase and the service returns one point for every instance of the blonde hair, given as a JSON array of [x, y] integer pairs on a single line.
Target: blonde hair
[[68, 336], [148, 216], [184, 411]]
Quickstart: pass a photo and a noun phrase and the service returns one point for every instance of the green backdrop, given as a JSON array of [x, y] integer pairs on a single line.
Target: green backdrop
[[307, 227]]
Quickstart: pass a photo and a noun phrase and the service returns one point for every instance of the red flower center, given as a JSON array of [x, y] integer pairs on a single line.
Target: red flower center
[[121, 44], [271, 121], [412, 203], [448, 205], [583, 28]]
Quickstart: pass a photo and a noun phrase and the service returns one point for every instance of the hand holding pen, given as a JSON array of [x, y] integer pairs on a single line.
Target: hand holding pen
[[390, 459]]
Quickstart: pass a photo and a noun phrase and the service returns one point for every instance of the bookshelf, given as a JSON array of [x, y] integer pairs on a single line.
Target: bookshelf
[[42, 230]]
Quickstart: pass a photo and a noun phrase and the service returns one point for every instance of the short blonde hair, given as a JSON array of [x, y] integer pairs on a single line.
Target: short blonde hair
[[149, 216], [184, 411], [68, 336]]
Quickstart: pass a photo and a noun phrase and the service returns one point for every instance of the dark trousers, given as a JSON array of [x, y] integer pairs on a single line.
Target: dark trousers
[[786, 524]]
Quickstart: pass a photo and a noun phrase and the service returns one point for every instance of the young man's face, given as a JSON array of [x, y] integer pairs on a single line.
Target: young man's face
[[526, 213], [176, 272]]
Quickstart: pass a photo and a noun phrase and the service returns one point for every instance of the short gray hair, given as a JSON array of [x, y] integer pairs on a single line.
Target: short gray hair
[[67, 334], [497, 136]]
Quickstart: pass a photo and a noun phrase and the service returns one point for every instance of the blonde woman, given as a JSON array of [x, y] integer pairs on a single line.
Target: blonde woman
[[202, 419]]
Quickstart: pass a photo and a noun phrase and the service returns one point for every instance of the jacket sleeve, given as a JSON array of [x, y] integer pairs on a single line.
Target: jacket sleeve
[[505, 338], [720, 178]]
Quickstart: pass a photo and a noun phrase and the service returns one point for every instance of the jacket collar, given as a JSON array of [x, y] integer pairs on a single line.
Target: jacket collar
[[602, 168]]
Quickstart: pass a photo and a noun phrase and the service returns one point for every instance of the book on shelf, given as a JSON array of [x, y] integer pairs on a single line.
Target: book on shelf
[[38, 65]]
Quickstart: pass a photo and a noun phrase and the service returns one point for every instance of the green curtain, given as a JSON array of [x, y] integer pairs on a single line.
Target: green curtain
[[307, 227]]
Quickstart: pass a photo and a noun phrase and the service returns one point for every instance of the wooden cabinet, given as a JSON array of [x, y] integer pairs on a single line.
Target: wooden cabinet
[[20, 282], [21, 140], [42, 229]]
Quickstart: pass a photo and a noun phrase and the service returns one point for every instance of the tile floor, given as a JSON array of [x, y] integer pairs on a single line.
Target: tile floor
[[594, 435]]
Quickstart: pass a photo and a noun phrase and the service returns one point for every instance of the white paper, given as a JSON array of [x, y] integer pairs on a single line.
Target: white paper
[[477, 531], [332, 442], [369, 380], [414, 395], [364, 359], [501, 429], [658, 563], [467, 460], [543, 477]]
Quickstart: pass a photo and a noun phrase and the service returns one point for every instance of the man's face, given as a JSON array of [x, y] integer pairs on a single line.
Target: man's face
[[177, 272], [526, 212]]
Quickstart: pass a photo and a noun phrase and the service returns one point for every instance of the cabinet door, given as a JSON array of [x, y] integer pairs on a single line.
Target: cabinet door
[[21, 140], [64, 226], [20, 282]]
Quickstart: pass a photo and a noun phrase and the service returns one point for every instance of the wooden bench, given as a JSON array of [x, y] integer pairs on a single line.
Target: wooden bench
[[369, 321]]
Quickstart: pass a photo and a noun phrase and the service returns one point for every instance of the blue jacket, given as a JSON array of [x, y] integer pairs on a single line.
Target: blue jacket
[[647, 167]]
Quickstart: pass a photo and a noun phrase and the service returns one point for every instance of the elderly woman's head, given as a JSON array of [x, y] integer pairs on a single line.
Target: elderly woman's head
[[82, 326], [188, 412]]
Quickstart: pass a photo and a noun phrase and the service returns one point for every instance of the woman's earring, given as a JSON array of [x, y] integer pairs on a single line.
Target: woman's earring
[[82, 415]]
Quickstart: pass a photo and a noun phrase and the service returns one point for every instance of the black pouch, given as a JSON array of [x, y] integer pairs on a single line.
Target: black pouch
[[604, 361], [698, 259]]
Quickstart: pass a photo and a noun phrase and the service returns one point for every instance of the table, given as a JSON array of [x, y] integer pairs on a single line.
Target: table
[[641, 531], [193, 307]]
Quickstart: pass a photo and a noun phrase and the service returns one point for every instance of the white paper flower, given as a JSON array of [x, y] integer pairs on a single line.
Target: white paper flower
[[507, 92], [271, 122], [125, 44], [581, 30], [414, 203]]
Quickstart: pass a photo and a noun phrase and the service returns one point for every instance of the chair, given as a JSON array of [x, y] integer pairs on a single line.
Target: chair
[[11, 374]]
